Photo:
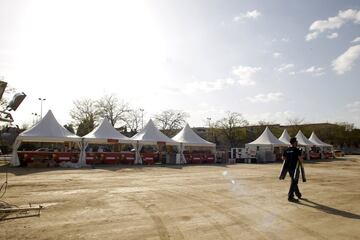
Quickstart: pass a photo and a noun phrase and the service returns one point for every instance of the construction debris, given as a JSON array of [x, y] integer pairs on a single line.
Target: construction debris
[[8, 211]]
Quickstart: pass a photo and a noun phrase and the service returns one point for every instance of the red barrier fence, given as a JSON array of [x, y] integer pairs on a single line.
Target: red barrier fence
[[65, 157], [127, 158], [31, 156], [110, 157], [315, 155], [199, 158], [148, 158], [328, 155]]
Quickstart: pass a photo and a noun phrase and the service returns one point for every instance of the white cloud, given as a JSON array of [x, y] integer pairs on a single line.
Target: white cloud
[[276, 55], [248, 15], [283, 39], [242, 75], [356, 40], [245, 74], [345, 61], [314, 71], [353, 107], [208, 86], [285, 67], [266, 98], [253, 14], [332, 35], [311, 36], [331, 23]]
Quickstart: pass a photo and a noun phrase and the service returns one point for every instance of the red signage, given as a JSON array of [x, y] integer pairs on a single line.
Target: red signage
[[112, 140]]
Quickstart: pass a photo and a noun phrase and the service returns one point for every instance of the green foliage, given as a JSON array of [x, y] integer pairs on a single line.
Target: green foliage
[[86, 126], [69, 127]]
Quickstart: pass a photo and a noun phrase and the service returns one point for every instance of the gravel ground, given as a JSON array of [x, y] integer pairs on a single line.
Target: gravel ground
[[242, 201]]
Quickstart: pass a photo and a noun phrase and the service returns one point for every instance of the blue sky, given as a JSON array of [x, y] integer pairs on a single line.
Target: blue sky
[[269, 60]]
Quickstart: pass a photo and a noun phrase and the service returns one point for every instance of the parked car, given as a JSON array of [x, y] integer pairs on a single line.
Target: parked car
[[339, 153]]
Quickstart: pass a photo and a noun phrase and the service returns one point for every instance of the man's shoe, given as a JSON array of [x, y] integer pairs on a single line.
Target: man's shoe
[[298, 195], [291, 199]]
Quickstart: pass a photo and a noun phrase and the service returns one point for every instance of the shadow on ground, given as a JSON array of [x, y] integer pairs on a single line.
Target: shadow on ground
[[18, 171], [308, 203]]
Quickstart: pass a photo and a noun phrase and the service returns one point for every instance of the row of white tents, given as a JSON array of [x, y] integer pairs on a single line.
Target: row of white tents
[[267, 142], [49, 130]]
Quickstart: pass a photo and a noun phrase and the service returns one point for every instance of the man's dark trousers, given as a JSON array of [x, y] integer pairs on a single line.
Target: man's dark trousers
[[294, 183]]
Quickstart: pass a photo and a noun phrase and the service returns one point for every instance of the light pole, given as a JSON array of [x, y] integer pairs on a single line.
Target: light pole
[[34, 117], [142, 118], [41, 100], [209, 119]]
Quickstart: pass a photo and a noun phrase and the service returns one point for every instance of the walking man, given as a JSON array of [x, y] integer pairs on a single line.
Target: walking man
[[292, 160]]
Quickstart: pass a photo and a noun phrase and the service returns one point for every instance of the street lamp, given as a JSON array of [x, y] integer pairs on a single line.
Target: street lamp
[[209, 119], [142, 118], [41, 100], [34, 117]]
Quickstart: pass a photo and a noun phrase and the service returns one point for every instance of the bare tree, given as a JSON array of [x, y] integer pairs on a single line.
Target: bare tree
[[113, 109], [134, 120], [170, 120], [229, 126], [295, 121], [295, 125], [84, 114]]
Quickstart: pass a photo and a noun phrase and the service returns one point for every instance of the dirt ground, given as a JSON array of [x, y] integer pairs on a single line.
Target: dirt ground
[[242, 201]]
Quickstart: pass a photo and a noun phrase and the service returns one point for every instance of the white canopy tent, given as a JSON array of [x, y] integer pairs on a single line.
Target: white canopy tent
[[105, 133], [150, 135], [285, 137], [265, 144], [303, 141], [317, 142], [187, 137], [267, 138], [47, 130]]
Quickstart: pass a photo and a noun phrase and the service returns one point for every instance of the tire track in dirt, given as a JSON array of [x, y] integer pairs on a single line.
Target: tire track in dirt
[[219, 228], [240, 220], [159, 224], [308, 231]]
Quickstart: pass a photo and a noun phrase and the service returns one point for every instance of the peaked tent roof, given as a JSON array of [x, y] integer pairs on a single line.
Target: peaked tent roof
[[105, 132], [267, 138], [189, 138], [151, 135], [315, 140], [302, 140], [285, 137], [48, 129]]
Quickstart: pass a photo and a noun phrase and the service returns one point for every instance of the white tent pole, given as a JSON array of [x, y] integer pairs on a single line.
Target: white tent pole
[[138, 159], [307, 153], [15, 158], [82, 159]]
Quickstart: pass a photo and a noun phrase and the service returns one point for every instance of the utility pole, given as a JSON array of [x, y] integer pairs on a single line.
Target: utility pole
[[209, 125], [41, 100]]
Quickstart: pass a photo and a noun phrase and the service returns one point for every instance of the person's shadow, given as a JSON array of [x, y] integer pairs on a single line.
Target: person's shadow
[[326, 209]]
